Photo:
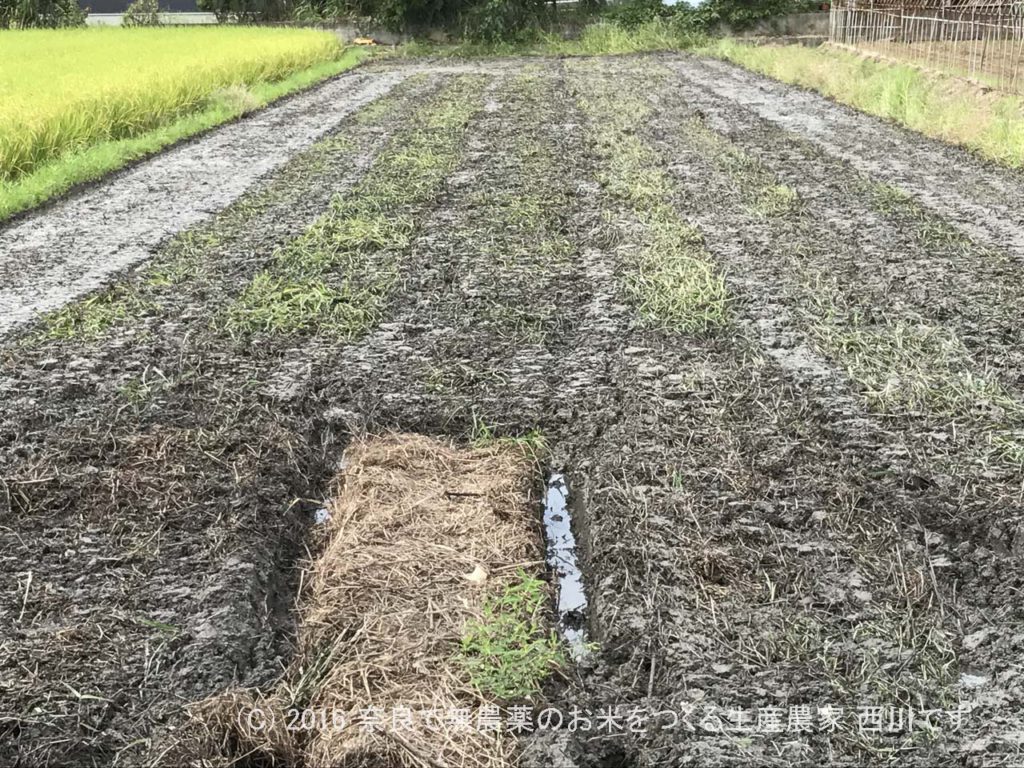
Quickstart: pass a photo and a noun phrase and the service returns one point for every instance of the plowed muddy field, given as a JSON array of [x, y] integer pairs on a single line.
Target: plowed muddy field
[[773, 348]]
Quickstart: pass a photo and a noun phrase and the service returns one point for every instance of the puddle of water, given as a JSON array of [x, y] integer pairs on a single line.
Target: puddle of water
[[561, 557]]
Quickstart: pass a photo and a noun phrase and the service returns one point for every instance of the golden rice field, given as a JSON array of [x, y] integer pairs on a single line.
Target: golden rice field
[[64, 90]]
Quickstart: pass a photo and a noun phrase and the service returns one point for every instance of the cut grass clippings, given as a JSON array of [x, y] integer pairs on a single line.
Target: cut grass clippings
[[941, 107], [420, 571], [39, 163]]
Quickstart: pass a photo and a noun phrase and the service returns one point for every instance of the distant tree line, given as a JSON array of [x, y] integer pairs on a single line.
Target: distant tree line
[[504, 19], [40, 13], [498, 19], [487, 20], [704, 17]]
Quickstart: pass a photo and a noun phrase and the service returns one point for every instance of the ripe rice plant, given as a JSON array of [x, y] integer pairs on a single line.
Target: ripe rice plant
[[64, 90]]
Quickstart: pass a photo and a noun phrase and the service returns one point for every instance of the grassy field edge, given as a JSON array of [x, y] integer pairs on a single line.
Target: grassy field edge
[[601, 38], [98, 160], [941, 107]]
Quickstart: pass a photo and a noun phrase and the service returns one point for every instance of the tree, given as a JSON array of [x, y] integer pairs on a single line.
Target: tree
[[40, 13]]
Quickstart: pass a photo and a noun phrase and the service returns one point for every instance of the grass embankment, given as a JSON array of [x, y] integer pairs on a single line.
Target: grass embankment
[[80, 103], [937, 106]]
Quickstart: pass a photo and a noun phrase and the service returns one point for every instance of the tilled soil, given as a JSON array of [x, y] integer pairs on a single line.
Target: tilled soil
[[816, 504]]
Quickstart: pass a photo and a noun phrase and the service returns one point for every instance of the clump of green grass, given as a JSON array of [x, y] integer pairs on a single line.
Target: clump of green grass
[[932, 231], [943, 108], [915, 366], [672, 280], [1008, 448], [338, 239], [89, 318], [277, 304], [507, 653], [777, 200], [754, 181], [139, 390], [889, 199], [485, 435], [190, 250]]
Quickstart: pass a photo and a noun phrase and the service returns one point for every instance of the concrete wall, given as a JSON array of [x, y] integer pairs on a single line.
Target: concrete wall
[[106, 7], [168, 19]]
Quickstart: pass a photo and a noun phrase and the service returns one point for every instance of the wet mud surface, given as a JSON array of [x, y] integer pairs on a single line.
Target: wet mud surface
[[818, 502]]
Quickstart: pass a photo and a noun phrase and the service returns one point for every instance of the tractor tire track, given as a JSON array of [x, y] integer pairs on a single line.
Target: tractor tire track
[[986, 202]]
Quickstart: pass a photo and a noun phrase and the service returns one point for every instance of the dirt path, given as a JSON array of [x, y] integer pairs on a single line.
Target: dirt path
[[784, 385]]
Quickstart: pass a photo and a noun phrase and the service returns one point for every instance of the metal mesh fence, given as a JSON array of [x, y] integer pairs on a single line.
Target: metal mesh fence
[[981, 40]]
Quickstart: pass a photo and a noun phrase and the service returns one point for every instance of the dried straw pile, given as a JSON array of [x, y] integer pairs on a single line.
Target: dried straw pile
[[384, 605]]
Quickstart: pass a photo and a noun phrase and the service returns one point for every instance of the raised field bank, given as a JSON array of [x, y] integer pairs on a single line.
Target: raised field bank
[[503, 412]]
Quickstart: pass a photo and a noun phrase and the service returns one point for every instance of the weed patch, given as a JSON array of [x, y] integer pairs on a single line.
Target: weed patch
[[929, 229], [755, 182], [777, 200], [190, 252], [88, 319], [507, 652], [485, 435], [336, 277], [278, 304], [901, 364], [672, 280]]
